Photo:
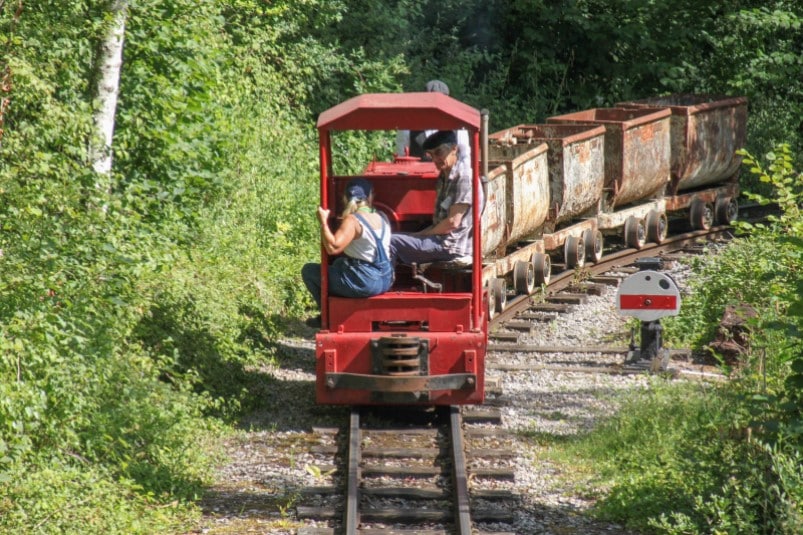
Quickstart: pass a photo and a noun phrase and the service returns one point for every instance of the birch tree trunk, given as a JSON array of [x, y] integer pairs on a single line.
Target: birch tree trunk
[[5, 79], [110, 62]]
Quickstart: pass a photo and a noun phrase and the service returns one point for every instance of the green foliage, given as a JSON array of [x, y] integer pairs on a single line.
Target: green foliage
[[295, 41], [762, 495], [756, 51], [771, 255], [72, 497], [531, 59], [172, 123], [129, 317], [675, 460], [720, 283], [787, 192], [75, 266], [723, 460], [646, 453], [785, 230]]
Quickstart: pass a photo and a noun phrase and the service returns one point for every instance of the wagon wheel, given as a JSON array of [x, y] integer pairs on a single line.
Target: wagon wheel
[[542, 268], [593, 240], [491, 299], [635, 232], [701, 215], [499, 295], [523, 277], [726, 210], [574, 251], [657, 226]]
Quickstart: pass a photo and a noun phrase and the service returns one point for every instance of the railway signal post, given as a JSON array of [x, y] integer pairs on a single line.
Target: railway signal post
[[649, 295]]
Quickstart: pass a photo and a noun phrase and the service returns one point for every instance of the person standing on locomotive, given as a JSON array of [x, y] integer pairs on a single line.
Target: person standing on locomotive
[[363, 237], [413, 141], [449, 238]]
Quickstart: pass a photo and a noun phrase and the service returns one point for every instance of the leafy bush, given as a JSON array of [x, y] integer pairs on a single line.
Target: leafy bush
[[72, 497], [771, 255], [78, 394], [785, 413], [762, 495]]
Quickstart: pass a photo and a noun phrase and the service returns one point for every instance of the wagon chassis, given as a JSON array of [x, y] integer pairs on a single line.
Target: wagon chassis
[[624, 257]]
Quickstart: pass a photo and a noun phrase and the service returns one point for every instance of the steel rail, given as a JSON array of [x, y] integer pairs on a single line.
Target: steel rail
[[459, 473], [351, 516]]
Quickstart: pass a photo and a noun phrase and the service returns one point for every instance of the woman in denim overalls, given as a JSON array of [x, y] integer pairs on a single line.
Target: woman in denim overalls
[[364, 239]]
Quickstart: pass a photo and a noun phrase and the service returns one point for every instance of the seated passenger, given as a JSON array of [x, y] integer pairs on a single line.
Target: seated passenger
[[451, 234], [414, 140], [364, 238]]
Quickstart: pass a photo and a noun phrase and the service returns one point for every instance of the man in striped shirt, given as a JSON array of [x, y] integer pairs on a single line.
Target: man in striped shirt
[[449, 238]]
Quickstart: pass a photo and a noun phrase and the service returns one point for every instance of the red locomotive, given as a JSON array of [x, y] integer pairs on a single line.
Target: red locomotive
[[550, 190], [409, 345]]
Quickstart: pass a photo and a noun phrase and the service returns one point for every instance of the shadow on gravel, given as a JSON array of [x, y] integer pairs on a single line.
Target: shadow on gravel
[[288, 405], [280, 395]]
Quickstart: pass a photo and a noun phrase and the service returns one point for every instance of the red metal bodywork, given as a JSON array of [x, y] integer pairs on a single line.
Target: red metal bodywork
[[444, 333], [345, 349]]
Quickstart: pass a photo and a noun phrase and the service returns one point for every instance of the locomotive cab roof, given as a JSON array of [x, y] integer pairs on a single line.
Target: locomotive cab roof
[[400, 111]]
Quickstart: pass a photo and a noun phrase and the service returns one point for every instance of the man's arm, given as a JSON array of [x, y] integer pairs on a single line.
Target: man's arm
[[449, 223]]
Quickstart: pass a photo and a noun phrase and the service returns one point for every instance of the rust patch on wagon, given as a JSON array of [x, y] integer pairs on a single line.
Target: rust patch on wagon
[[522, 191], [576, 164]]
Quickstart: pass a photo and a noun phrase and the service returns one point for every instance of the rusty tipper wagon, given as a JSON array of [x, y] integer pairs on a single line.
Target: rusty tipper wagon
[[409, 345]]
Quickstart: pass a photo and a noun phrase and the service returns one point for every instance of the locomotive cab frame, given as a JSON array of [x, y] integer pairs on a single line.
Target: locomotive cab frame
[[424, 341]]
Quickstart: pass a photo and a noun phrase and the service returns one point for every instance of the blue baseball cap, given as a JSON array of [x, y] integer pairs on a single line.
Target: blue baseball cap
[[358, 189]]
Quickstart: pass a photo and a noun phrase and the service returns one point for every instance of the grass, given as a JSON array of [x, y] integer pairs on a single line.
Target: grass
[[673, 460]]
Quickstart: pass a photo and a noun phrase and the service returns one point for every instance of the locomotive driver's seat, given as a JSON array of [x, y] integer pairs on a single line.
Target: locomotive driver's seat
[[450, 275]]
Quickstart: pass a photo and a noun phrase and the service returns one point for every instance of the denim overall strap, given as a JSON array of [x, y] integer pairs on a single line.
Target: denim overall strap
[[381, 256]]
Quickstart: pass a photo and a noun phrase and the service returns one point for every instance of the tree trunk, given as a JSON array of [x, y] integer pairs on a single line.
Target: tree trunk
[[5, 79], [110, 62]]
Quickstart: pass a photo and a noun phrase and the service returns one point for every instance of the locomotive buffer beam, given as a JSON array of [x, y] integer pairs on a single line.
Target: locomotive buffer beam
[[410, 384], [400, 372]]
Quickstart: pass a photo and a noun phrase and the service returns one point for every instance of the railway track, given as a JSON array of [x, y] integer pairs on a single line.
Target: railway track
[[568, 288], [557, 293], [424, 472]]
